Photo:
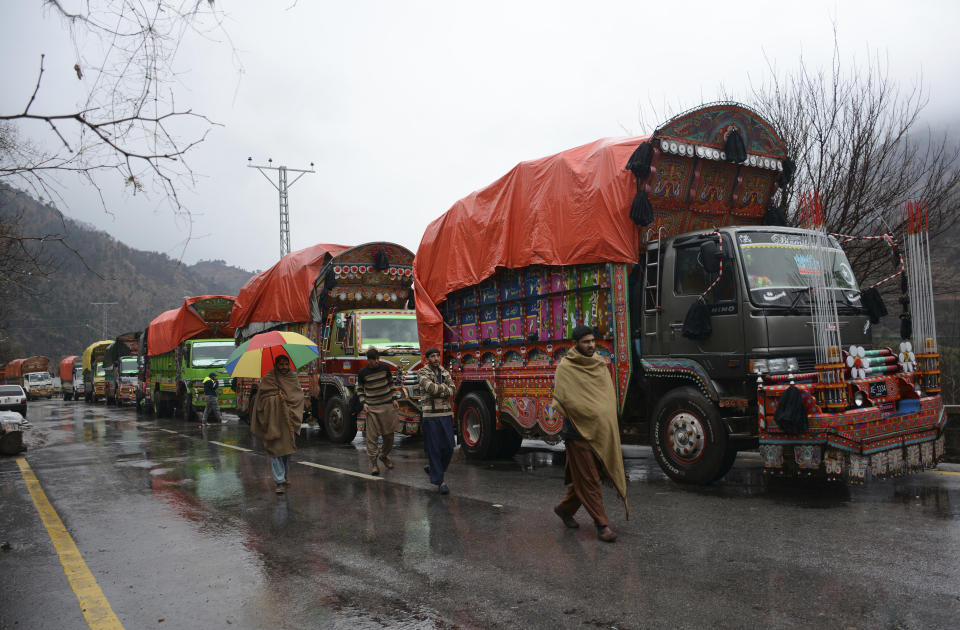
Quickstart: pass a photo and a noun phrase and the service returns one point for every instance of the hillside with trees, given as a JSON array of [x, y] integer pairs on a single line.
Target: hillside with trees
[[54, 269]]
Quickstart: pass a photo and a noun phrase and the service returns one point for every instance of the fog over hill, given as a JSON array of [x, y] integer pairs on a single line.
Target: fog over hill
[[54, 315]]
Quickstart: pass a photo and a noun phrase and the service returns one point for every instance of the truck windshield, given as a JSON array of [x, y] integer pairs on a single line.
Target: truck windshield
[[100, 370], [38, 377], [781, 267], [211, 353], [128, 365], [389, 331]]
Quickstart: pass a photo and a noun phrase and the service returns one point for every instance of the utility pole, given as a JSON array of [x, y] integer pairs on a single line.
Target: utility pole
[[104, 305], [282, 186]]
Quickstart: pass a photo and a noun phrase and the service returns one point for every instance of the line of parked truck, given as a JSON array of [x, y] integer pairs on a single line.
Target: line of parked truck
[[704, 303]]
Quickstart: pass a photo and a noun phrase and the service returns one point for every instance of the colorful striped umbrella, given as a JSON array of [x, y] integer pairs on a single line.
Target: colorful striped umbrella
[[254, 358]]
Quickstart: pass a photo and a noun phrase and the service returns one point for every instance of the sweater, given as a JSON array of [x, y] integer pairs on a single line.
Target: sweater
[[375, 385]]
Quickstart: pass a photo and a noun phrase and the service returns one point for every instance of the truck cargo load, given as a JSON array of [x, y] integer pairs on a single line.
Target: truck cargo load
[[670, 246], [345, 299]]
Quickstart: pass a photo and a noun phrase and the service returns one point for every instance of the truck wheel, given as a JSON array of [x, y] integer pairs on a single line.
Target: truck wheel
[[477, 428], [688, 436], [510, 442], [338, 424], [187, 412], [729, 457]]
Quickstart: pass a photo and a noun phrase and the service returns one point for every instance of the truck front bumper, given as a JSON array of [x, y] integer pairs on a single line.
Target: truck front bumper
[[849, 444]]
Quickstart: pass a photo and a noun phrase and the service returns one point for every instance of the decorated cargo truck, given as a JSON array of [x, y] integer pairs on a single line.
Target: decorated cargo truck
[[180, 348], [37, 381], [67, 376], [93, 373], [346, 299], [709, 312], [121, 363]]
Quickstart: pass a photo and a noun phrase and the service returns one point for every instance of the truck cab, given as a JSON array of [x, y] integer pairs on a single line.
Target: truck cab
[[199, 358], [38, 385], [345, 341]]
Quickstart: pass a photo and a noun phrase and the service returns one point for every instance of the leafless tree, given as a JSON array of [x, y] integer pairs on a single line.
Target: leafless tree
[[127, 123], [856, 136]]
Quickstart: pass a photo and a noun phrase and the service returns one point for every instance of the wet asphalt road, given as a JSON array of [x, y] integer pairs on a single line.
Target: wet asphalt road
[[182, 532]]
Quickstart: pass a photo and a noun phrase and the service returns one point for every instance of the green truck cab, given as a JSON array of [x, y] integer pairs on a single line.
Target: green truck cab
[[182, 347]]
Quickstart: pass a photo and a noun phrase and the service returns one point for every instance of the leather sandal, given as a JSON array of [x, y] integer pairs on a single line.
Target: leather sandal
[[568, 520], [386, 461], [606, 534], [375, 471]]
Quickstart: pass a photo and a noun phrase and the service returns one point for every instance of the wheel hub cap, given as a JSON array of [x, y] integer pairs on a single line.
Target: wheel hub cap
[[685, 436]]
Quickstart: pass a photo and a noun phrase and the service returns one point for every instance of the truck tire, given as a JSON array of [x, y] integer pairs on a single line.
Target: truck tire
[[68, 396], [510, 442], [688, 436], [729, 458], [476, 427], [339, 425], [161, 406], [186, 411]]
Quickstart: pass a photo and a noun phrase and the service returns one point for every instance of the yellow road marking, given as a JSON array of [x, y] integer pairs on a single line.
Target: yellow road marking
[[944, 472], [239, 448], [93, 604], [342, 472]]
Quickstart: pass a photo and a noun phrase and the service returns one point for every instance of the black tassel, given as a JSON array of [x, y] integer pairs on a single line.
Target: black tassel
[[873, 304], [329, 282], [789, 168], [411, 302], [380, 261], [736, 152], [641, 212], [639, 162], [774, 216], [791, 413], [696, 325], [906, 327]]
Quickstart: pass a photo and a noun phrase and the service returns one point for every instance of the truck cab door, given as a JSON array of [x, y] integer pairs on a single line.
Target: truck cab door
[[685, 280]]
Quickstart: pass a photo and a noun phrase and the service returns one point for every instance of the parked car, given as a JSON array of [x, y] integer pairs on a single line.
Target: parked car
[[13, 397]]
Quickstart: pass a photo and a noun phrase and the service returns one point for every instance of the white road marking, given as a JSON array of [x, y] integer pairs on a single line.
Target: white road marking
[[169, 431], [342, 471], [238, 448]]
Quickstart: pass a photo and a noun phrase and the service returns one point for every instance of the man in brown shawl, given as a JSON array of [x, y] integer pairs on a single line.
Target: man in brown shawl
[[276, 418], [583, 394]]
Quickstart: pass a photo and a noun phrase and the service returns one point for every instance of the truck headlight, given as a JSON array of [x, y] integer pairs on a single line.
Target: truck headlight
[[860, 399], [780, 365]]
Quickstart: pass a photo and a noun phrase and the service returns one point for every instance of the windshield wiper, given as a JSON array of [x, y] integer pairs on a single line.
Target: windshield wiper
[[796, 299]]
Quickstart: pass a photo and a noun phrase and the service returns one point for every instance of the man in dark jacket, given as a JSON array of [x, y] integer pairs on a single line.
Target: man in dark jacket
[[210, 385], [436, 389]]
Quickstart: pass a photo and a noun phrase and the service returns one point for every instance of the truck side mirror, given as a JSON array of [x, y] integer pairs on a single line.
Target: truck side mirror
[[710, 256]]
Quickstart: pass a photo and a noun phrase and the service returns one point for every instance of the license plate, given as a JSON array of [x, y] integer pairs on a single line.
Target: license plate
[[878, 390]]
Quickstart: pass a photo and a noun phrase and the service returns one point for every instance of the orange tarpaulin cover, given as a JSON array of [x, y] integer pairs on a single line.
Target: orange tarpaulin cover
[[282, 292], [66, 368], [171, 328], [565, 209]]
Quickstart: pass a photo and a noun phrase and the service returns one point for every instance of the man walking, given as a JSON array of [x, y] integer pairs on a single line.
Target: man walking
[[583, 394], [276, 418], [212, 407], [436, 389], [378, 395]]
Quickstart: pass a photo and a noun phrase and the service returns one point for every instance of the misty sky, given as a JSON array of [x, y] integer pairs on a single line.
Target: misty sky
[[406, 107]]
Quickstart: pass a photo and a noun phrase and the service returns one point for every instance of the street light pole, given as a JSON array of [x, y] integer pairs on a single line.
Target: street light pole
[[282, 186], [104, 305]]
